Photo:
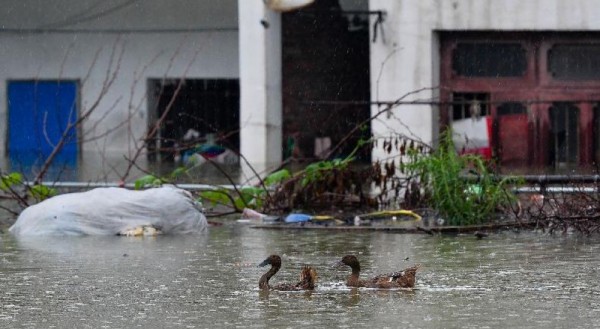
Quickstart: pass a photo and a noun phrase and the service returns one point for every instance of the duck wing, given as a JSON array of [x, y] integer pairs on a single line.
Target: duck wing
[[403, 279]]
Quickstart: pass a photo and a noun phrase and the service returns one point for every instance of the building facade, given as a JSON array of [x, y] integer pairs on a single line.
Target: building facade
[[531, 66], [99, 76]]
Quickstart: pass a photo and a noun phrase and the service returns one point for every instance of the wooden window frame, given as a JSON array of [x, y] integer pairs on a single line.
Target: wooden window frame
[[536, 86]]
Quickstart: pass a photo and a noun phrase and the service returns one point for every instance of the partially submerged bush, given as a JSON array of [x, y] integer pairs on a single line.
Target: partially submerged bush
[[325, 185], [460, 187]]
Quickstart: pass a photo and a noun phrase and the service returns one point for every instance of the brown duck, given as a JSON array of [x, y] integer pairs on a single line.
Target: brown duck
[[400, 279], [308, 277]]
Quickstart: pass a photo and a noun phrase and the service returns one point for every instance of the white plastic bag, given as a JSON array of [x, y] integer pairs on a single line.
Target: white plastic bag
[[473, 136], [112, 211]]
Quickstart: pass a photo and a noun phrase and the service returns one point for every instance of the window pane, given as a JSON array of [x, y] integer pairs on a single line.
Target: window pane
[[469, 105], [203, 111], [489, 60], [596, 131], [564, 135], [574, 62]]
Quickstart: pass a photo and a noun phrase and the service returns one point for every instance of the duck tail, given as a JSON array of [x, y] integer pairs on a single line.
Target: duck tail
[[413, 269], [417, 266], [407, 278], [308, 277]]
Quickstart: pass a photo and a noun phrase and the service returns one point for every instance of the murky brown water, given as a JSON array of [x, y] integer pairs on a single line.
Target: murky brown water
[[507, 280]]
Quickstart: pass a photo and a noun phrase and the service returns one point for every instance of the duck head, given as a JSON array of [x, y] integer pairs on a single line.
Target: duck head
[[352, 262], [349, 260], [275, 262], [272, 260]]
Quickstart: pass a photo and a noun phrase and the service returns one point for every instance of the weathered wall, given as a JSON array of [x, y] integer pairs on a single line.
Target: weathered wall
[[61, 39], [119, 14], [409, 58]]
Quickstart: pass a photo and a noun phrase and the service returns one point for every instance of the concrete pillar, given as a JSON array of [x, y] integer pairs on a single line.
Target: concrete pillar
[[260, 84]]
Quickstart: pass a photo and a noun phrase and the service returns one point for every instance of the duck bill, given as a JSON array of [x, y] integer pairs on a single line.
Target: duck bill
[[264, 263], [338, 264]]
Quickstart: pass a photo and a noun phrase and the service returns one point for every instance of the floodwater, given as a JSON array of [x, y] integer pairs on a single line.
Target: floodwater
[[507, 280]]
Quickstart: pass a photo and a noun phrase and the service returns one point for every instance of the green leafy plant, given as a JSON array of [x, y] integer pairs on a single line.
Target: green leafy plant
[[219, 196], [13, 182], [151, 180], [41, 192], [237, 198], [316, 171], [460, 187], [246, 197], [10, 180], [148, 181], [277, 177]]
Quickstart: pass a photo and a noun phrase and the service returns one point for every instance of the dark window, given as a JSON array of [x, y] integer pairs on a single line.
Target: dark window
[[564, 135], [489, 60], [202, 110], [574, 61], [468, 105], [596, 132], [511, 108]]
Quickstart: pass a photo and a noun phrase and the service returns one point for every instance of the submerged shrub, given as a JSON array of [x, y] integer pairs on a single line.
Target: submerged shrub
[[460, 187]]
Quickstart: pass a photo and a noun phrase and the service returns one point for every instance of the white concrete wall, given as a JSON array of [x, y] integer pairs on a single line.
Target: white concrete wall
[[200, 40], [118, 14], [260, 87], [409, 60]]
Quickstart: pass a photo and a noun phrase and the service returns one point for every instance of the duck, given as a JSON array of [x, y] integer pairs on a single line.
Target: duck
[[400, 279], [308, 277]]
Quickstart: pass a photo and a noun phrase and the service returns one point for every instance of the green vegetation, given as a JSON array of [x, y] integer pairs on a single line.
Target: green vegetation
[[154, 181], [460, 187], [246, 197], [318, 171], [13, 182], [283, 191]]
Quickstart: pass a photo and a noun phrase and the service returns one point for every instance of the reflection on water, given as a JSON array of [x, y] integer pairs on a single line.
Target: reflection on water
[[506, 280]]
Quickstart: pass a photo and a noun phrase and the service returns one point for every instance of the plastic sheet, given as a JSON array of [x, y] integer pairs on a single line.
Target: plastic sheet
[[113, 211], [473, 136]]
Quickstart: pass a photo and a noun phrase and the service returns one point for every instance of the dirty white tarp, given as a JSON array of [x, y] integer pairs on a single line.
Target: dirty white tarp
[[111, 211]]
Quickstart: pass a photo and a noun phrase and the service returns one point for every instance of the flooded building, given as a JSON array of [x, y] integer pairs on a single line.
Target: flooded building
[[104, 80], [530, 67]]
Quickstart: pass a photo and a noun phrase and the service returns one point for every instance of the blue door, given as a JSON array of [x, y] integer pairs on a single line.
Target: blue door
[[39, 114]]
